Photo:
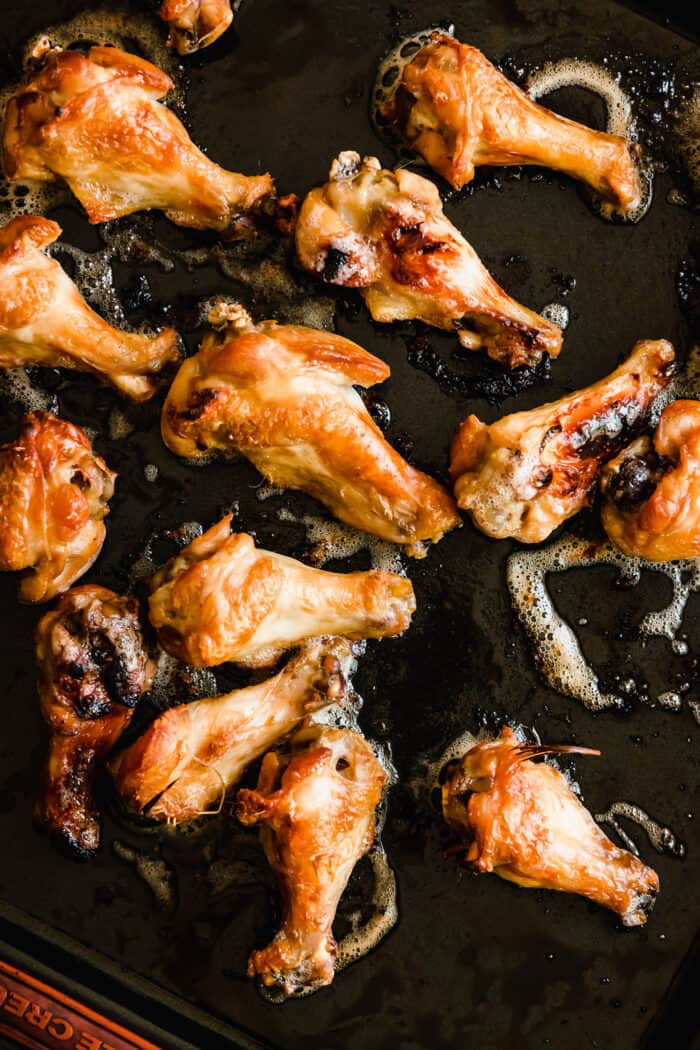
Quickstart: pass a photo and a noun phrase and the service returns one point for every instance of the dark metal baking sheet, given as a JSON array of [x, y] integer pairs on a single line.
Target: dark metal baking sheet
[[470, 959]]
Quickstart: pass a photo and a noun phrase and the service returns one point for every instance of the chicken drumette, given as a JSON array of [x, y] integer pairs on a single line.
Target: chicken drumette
[[93, 669], [223, 599], [521, 820], [316, 802], [455, 109], [95, 121], [45, 321], [651, 505], [283, 395], [188, 759], [54, 495], [385, 233], [527, 473], [195, 24]]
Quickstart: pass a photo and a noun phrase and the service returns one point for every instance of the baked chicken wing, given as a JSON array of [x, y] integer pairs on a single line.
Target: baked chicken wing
[[385, 233], [93, 669], [283, 395], [527, 473], [521, 820], [195, 24], [223, 599], [188, 759], [315, 802], [95, 121], [45, 321], [455, 109], [651, 504], [54, 495]]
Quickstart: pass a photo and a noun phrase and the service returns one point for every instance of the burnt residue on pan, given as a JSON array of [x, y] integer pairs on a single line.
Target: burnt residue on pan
[[471, 959]]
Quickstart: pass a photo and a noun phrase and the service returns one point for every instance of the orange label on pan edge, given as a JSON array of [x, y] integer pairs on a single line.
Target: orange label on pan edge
[[37, 1016]]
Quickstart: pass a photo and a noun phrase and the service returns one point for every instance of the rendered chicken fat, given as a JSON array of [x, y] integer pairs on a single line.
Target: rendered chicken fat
[[385, 233], [284, 396], [521, 820]]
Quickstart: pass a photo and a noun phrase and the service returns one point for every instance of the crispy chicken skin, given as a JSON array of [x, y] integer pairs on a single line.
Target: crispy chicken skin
[[651, 491], [455, 109], [283, 395], [195, 24], [93, 669], [521, 820], [54, 495], [221, 598], [527, 473], [44, 320], [315, 802], [385, 233], [188, 759], [96, 122]]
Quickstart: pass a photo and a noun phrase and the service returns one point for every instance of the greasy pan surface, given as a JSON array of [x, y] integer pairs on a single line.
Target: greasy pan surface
[[471, 958]]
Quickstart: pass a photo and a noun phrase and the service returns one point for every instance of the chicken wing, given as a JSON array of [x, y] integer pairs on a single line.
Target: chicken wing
[[54, 495], [195, 24], [385, 233], [223, 599], [527, 473], [316, 803], [651, 505], [95, 121], [93, 669], [45, 321], [283, 395], [522, 820], [455, 109], [188, 759]]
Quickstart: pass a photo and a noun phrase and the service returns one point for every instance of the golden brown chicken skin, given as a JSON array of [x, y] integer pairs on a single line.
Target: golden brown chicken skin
[[54, 495], [187, 760], [285, 397], [316, 805], [651, 491], [93, 669], [195, 24], [385, 233], [455, 109], [221, 598], [527, 473], [95, 120], [521, 820], [44, 320]]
